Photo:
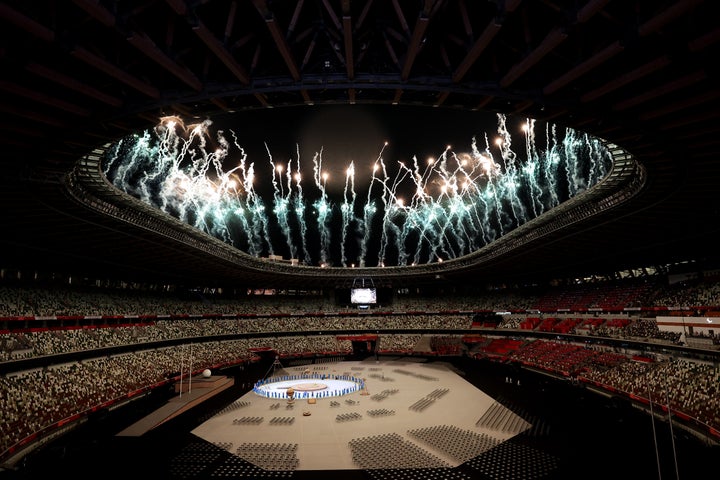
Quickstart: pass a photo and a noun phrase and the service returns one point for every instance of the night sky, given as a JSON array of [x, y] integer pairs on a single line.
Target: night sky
[[355, 133]]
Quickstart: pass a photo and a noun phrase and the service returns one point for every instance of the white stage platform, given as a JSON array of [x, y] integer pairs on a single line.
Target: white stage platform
[[400, 396]]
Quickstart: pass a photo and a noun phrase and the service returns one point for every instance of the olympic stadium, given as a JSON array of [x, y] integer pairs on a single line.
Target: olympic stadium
[[376, 189]]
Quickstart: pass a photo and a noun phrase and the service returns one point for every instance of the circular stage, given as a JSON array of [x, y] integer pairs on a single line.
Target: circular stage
[[308, 386]]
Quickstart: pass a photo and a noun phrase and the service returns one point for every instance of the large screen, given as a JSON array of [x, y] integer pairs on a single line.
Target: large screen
[[363, 296]]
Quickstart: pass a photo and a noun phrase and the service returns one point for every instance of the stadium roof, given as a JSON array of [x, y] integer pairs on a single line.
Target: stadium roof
[[642, 75]]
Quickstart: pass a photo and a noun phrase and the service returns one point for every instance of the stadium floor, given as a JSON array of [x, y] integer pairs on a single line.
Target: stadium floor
[[538, 428]]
